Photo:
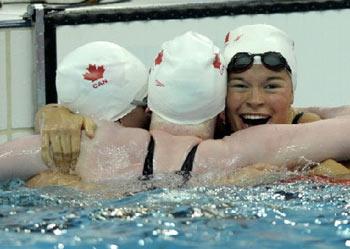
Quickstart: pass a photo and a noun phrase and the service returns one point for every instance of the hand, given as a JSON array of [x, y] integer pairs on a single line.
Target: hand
[[60, 131], [330, 168]]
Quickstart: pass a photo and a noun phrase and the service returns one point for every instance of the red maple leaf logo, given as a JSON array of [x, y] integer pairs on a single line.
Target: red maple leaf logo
[[159, 58], [94, 72], [159, 83], [217, 62], [227, 37], [238, 37]]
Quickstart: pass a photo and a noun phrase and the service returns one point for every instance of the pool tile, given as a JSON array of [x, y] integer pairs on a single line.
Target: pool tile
[[22, 99], [3, 139], [20, 134], [3, 96]]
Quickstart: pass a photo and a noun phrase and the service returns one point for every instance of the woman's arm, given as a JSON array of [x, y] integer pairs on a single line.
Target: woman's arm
[[21, 158], [286, 146], [116, 152]]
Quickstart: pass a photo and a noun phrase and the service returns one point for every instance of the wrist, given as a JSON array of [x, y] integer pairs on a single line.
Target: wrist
[[54, 106]]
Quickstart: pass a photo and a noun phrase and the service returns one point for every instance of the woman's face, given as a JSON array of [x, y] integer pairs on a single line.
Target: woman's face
[[258, 96]]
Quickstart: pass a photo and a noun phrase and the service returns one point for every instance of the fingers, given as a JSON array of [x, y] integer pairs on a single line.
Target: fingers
[[65, 151], [66, 148], [90, 126], [57, 149], [61, 132], [75, 147], [45, 150]]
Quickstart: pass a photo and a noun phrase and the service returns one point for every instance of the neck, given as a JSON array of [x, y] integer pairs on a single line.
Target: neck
[[204, 130]]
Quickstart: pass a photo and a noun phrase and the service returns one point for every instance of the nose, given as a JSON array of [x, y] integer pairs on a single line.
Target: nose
[[256, 98]]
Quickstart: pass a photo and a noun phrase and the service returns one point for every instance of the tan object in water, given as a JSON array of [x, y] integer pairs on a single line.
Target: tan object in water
[[330, 168], [51, 178], [253, 175]]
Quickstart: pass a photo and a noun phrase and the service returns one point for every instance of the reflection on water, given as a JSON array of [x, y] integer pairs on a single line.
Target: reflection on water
[[303, 215]]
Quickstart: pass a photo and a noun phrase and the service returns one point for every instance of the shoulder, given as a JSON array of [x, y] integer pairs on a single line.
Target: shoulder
[[299, 117], [308, 117]]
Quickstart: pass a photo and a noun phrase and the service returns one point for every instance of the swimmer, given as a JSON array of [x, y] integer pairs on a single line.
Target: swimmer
[[81, 76], [262, 78], [262, 74], [128, 154], [191, 56], [122, 73]]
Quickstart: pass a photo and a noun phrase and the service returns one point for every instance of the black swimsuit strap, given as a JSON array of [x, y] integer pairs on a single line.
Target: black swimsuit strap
[[148, 164], [187, 166], [297, 118], [188, 163]]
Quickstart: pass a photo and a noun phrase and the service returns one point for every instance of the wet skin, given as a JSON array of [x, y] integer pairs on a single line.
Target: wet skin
[[258, 96]]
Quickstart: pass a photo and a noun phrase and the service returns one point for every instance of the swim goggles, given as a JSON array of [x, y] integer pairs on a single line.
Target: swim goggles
[[242, 61]]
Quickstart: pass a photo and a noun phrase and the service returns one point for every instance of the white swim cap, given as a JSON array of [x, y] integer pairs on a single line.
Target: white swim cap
[[261, 38], [187, 84], [101, 79]]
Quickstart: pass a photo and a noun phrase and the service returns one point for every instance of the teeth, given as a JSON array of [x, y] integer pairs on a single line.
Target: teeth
[[254, 116]]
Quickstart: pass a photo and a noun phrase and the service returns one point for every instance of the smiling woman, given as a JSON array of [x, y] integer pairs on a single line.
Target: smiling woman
[[261, 78], [259, 96], [260, 90]]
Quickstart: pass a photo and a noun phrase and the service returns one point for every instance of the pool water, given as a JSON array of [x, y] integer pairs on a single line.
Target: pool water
[[290, 215]]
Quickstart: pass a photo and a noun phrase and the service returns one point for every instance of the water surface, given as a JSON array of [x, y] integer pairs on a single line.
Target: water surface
[[293, 215]]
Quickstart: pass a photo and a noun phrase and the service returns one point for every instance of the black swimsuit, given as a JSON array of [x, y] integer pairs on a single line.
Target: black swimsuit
[[148, 164], [188, 164], [297, 118]]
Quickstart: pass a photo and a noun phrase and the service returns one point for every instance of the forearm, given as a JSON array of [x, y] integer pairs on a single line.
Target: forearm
[[285, 146], [20, 158], [309, 143]]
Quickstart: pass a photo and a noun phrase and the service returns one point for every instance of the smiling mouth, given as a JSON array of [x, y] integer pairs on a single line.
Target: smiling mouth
[[251, 120]]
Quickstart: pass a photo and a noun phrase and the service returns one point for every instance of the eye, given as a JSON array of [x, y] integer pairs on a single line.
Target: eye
[[239, 86], [272, 86]]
